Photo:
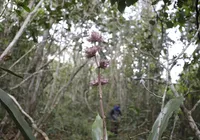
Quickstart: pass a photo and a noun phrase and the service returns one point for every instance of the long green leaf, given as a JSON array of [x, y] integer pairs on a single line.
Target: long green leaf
[[164, 116], [16, 115], [97, 128]]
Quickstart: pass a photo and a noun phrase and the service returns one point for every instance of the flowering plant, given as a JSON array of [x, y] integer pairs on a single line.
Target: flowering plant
[[102, 64]]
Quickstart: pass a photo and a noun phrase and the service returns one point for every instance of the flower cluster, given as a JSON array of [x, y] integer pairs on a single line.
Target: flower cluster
[[91, 52], [103, 81], [103, 64], [95, 37]]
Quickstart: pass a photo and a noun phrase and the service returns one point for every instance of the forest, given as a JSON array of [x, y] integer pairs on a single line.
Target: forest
[[99, 70]]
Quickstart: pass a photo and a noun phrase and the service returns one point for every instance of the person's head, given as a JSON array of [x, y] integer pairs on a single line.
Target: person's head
[[117, 107]]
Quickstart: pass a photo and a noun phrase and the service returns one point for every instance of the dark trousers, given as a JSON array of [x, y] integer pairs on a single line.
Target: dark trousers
[[114, 126]]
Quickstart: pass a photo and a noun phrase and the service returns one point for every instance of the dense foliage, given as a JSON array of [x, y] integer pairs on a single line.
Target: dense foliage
[[47, 63]]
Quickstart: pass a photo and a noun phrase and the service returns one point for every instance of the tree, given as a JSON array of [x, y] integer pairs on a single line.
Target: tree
[[44, 42]]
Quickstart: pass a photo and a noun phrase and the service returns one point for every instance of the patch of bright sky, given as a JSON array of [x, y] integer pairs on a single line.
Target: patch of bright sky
[[174, 35], [132, 13], [176, 48]]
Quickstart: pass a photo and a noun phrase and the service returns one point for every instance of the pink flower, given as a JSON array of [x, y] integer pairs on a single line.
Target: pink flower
[[95, 37], [90, 52], [96, 83], [103, 64]]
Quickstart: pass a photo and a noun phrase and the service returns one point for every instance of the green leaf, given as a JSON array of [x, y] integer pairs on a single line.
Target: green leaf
[[113, 2], [24, 6], [130, 2], [166, 1], [169, 24], [1, 27], [18, 12], [181, 18], [16, 115], [164, 116], [11, 72], [152, 22], [155, 2], [180, 3], [121, 6], [97, 128], [165, 14]]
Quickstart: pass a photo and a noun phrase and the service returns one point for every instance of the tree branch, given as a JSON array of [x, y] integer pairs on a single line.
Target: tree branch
[[59, 94], [184, 49], [21, 30], [4, 9], [33, 124], [18, 60], [195, 106], [151, 91], [191, 121], [187, 114], [152, 79], [175, 120]]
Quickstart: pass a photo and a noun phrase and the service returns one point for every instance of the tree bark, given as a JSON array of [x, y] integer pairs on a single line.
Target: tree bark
[[188, 115]]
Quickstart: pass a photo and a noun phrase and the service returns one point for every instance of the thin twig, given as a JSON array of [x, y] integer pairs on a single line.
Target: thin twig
[[195, 106], [139, 134], [89, 107], [27, 78], [4, 9], [39, 71], [29, 117], [18, 60], [152, 79], [184, 49], [21, 30], [175, 120], [59, 94], [53, 58], [151, 91], [53, 87], [149, 54]]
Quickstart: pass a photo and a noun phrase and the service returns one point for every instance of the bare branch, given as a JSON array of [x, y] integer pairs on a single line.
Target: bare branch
[[191, 121], [39, 71], [175, 120], [59, 94], [18, 60], [27, 78], [149, 54], [29, 117], [187, 113], [4, 9], [52, 91], [139, 134], [173, 89], [184, 49], [89, 107], [21, 30], [195, 106], [151, 91], [152, 79]]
